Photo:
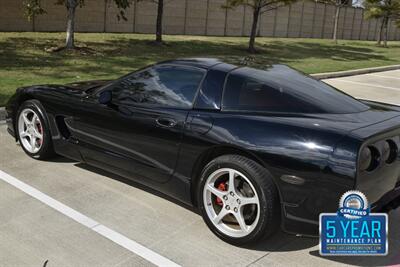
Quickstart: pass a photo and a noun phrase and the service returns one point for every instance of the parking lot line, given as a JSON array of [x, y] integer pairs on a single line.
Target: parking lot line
[[367, 84], [106, 232], [385, 77]]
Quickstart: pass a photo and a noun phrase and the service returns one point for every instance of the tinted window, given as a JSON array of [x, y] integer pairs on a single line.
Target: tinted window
[[210, 93], [211, 90], [162, 86], [282, 89]]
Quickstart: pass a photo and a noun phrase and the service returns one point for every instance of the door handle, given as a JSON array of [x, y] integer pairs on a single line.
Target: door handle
[[166, 122]]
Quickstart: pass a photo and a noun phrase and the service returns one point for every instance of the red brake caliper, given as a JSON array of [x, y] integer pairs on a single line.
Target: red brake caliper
[[221, 187]]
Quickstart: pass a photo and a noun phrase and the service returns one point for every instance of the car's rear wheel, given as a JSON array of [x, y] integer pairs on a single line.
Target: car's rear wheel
[[32, 130], [238, 200]]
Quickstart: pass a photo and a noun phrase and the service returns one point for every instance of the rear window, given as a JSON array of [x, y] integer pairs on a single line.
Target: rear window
[[282, 89]]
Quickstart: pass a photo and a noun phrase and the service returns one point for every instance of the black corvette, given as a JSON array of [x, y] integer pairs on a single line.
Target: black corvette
[[252, 149]]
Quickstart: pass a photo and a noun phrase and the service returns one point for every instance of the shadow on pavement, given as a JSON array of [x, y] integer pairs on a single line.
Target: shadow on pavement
[[60, 159], [278, 242], [286, 243], [134, 184]]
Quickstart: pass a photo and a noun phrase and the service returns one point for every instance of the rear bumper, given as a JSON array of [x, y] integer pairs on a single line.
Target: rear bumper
[[294, 225], [389, 201]]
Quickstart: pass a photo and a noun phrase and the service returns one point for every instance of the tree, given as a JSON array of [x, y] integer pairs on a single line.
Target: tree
[[159, 29], [259, 7], [385, 10], [338, 6], [33, 8], [159, 21]]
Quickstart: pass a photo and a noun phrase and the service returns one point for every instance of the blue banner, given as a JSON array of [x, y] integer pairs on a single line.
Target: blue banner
[[366, 235]]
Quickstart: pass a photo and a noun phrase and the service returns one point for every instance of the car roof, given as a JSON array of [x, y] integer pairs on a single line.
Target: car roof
[[211, 63], [194, 62]]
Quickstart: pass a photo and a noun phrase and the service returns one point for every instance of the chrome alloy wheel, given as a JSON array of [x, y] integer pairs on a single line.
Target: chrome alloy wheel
[[30, 131], [231, 202]]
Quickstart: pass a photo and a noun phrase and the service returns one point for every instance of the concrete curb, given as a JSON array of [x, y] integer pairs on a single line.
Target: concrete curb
[[330, 75]]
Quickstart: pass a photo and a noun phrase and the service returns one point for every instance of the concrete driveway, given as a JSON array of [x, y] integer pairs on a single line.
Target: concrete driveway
[[381, 86], [139, 220]]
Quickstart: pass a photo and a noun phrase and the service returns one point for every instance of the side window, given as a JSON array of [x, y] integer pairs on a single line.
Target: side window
[[169, 86], [243, 93], [210, 94]]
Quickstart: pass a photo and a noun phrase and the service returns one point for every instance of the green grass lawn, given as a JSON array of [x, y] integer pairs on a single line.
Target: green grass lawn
[[24, 61]]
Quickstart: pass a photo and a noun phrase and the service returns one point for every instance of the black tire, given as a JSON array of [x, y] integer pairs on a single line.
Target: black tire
[[269, 219], [46, 150]]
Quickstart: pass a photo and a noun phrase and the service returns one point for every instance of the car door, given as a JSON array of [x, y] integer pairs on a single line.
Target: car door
[[139, 132]]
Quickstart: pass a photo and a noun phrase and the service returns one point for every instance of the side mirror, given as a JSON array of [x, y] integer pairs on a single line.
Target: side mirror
[[105, 97]]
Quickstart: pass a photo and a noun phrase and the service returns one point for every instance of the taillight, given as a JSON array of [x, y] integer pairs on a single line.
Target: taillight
[[369, 158], [390, 151]]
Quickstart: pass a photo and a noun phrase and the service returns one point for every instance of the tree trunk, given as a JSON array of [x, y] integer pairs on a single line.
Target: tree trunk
[[386, 35], [159, 30], [71, 7], [253, 33], [380, 32], [336, 26]]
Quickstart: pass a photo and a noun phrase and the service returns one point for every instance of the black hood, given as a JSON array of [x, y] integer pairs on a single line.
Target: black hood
[[87, 85], [76, 89]]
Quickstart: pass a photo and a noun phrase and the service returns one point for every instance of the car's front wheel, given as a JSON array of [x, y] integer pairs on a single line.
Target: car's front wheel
[[32, 130], [238, 200]]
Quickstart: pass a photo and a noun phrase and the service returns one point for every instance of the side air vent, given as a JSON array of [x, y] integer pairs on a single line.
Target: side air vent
[[62, 127]]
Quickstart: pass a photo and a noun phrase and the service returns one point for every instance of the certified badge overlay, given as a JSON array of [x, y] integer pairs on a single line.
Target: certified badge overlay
[[353, 230]]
